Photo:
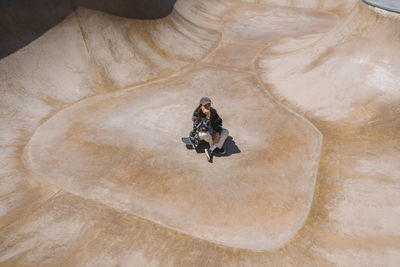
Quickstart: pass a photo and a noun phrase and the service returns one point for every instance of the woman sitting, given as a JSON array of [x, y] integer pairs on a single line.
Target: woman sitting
[[207, 126]]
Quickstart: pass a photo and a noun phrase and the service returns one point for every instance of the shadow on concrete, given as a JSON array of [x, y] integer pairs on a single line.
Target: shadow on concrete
[[22, 21], [230, 148]]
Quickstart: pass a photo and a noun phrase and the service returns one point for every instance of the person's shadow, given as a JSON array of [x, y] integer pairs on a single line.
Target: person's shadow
[[230, 148]]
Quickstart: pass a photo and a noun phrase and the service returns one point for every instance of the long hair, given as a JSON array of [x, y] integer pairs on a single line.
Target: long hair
[[198, 111]]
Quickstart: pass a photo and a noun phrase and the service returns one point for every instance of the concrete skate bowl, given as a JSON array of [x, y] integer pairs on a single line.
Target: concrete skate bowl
[[93, 171]]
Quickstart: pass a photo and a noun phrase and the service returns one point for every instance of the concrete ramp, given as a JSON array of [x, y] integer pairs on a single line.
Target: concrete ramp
[[93, 171]]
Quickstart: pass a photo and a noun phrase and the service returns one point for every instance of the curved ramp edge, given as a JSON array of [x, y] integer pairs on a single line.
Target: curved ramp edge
[[389, 5]]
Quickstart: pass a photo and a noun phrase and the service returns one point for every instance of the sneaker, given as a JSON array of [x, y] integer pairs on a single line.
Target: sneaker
[[221, 151], [209, 154]]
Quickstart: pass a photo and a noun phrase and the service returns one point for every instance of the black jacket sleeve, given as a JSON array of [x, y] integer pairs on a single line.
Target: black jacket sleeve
[[216, 121]]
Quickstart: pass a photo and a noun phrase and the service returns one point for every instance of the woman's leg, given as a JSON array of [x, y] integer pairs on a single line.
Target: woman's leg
[[206, 136], [222, 138]]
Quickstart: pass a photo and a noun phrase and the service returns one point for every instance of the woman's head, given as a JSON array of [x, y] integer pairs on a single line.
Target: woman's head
[[204, 102]]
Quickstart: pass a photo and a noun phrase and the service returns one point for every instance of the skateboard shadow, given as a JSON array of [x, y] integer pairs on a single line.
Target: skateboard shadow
[[230, 148]]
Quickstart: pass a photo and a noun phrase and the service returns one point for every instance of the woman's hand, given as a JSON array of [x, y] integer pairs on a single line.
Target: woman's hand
[[206, 111]]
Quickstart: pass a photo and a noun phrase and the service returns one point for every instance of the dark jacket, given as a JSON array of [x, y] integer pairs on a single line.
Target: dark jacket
[[202, 124]]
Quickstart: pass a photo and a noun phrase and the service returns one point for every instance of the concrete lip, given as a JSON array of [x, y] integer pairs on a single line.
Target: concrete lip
[[389, 5]]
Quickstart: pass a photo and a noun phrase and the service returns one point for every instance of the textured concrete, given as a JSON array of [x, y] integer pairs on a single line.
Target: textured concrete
[[131, 167], [93, 172]]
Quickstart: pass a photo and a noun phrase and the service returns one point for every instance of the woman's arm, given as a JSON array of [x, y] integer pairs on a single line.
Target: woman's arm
[[196, 121], [216, 122]]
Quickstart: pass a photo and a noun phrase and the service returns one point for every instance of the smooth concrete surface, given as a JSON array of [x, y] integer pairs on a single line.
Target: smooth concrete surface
[[93, 172], [131, 168]]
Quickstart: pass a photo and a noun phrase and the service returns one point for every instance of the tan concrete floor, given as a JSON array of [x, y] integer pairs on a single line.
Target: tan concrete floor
[[93, 172]]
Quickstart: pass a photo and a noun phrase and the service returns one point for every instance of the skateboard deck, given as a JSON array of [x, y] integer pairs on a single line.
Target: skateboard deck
[[189, 144]]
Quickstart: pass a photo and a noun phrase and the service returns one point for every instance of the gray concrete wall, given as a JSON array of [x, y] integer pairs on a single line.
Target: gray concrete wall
[[138, 9], [22, 21]]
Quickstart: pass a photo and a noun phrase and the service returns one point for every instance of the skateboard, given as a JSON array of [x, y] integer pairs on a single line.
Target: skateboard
[[189, 144]]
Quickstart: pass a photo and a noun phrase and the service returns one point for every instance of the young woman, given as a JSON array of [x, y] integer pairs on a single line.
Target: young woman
[[207, 125]]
